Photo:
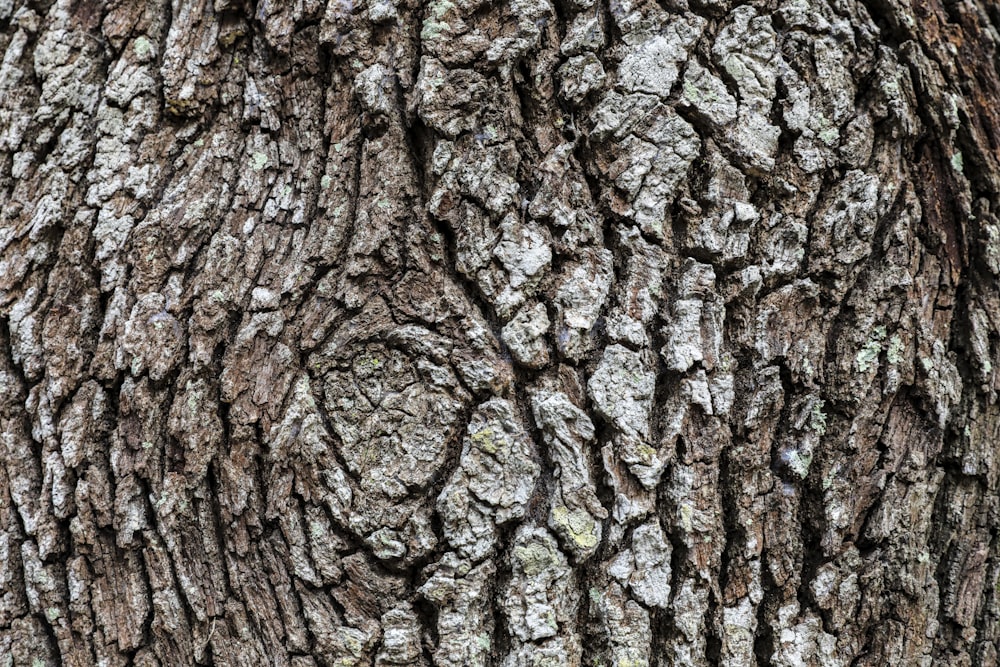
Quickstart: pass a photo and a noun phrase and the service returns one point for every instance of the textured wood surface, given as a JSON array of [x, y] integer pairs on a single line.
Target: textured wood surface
[[544, 332]]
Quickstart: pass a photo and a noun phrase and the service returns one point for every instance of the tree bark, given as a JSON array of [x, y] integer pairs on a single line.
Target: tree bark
[[570, 332]]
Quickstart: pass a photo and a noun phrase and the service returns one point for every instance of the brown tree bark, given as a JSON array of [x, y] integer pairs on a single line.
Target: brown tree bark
[[549, 332]]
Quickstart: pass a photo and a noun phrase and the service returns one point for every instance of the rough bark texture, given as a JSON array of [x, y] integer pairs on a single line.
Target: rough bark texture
[[549, 332]]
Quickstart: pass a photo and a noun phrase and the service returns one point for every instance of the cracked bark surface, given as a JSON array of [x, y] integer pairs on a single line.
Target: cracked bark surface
[[379, 332]]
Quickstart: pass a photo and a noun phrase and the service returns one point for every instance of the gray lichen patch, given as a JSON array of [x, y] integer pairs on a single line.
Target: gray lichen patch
[[576, 513], [802, 639], [746, 50], [494, 480], [525, 253], [622, 390], [625, 625], [584, 33], [707, 95], [449, 98], [541, 600], [694, 329], [154, 339], [645, 568], [525, 336], [580, 294], [651, 65], [401, 640], [649, 165], [867, 356], [580, 76], [843, 229], [462, 595]]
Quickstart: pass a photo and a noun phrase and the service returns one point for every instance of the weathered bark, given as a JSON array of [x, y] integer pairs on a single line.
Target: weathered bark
[[468, 333]]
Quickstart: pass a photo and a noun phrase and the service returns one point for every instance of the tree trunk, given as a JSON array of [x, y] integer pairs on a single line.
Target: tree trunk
[[469, 333]]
